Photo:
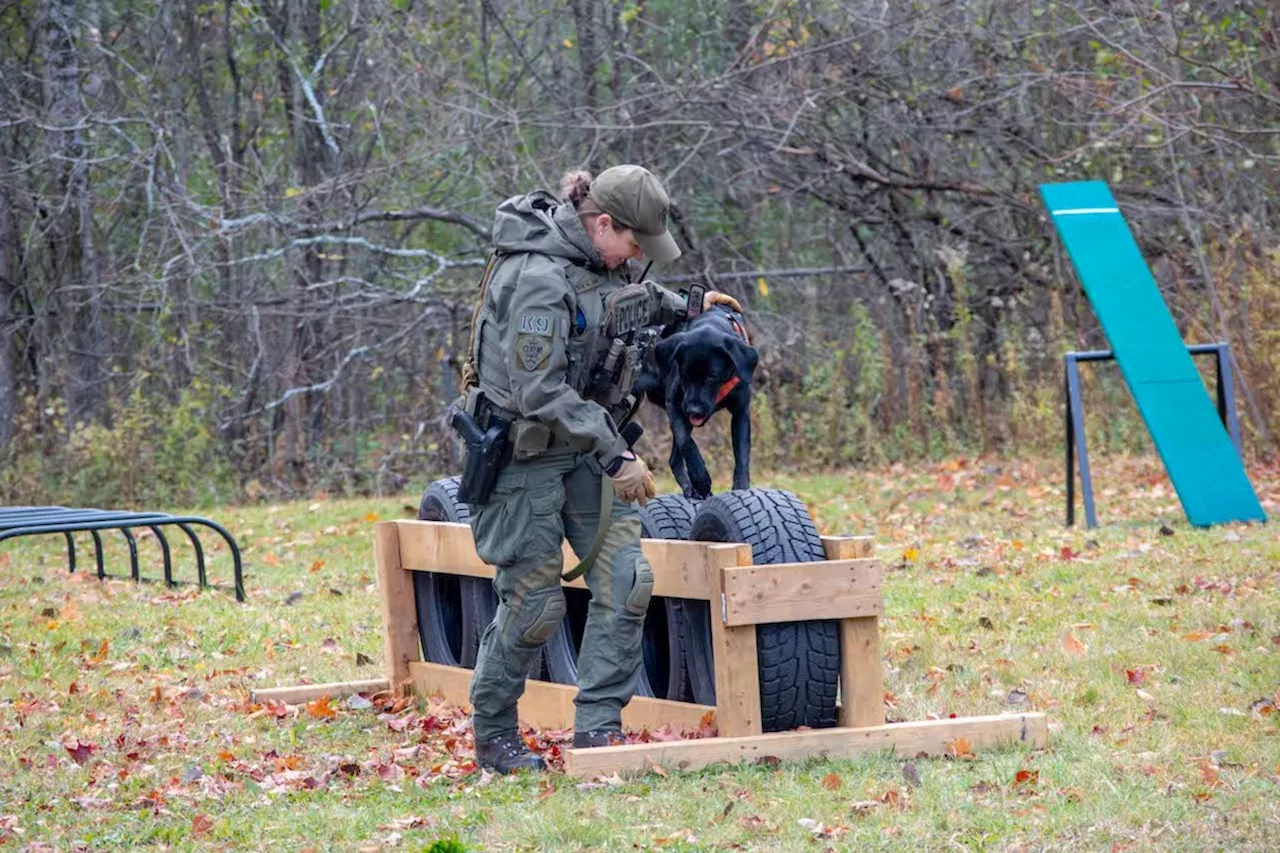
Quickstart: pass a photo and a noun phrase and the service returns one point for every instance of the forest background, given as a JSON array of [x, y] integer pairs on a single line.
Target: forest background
[[240, 239]]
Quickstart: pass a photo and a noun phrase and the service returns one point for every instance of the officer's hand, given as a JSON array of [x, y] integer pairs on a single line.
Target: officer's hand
[[633, 482], [715, 297]]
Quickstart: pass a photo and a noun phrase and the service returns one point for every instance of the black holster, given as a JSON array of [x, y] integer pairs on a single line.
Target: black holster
[[488, 451]]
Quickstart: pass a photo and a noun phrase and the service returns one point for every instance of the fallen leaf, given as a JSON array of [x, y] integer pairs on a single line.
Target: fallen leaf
[[370, 517], [864, 806], [356, 702], [271, 559], [88, 803], [1072, 647], [102, 652], [911, 774], [1144, 695], [911, 554], [78, 750], [1209, 775], [321, 709], [200, 825], [831, 782], [316, 566], [1135, 676], [961, 747], [894, 799], [412, 822]]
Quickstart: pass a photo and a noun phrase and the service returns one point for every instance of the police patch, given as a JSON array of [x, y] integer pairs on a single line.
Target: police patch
[[535, 324], [532, 351]]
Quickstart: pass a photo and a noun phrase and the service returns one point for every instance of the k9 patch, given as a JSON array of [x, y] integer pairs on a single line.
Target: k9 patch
[[535, 324], [532, 351]]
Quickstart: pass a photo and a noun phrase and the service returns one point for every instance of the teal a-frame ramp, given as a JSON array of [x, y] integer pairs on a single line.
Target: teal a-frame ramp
[[1202, 462]]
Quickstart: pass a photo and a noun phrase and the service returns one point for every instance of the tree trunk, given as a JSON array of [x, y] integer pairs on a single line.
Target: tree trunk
[[75, 259], [584, 21], [8, 326]]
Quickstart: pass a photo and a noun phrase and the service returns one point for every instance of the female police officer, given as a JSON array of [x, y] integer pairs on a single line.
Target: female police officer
[[553, 353]]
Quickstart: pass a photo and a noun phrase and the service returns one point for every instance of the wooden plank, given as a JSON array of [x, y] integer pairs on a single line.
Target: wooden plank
[[932, 737], [798, 592], [861, 673], [733, 651], [550, 706], [849, 547], [298, 693], [399, 616], [679, 568]]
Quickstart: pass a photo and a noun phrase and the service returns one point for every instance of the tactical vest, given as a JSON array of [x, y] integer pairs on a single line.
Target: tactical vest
[[605, 339]]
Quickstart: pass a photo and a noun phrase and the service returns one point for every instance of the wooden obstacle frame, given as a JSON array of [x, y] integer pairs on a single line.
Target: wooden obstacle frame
[[847, 586]]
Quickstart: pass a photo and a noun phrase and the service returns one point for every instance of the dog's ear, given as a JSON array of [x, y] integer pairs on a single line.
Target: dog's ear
[[745, 358], [665, 354]]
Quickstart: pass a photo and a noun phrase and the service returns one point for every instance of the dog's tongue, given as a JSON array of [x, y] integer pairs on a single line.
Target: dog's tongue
[[697, 421]]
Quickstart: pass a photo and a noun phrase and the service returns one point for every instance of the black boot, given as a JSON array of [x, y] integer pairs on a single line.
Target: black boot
[[603, 737], [507, 753]]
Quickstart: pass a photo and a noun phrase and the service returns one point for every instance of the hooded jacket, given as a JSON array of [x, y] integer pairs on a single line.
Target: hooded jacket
[[540, 333]]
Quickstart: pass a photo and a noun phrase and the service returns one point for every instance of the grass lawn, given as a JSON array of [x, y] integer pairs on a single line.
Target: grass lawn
[[125, 722]]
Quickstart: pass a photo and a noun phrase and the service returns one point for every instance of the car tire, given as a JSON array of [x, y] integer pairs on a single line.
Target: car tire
[[799, 662]]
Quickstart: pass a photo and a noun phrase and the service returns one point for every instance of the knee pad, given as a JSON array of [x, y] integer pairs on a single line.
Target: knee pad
[[637, 601], [540, 614]]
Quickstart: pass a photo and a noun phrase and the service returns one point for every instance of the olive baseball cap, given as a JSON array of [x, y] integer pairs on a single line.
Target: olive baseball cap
[[636, 200]]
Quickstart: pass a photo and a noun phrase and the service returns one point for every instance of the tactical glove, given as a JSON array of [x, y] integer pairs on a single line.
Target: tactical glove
[[633, 481], [715, 297]]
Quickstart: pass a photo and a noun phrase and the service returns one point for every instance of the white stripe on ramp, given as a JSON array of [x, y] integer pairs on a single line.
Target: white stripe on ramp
[[1076, 211]]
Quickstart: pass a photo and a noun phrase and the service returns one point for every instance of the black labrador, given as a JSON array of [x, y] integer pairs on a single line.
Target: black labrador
[[705, 365]]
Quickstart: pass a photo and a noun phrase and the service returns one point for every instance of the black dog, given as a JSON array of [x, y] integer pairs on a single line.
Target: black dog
[[705, 365]]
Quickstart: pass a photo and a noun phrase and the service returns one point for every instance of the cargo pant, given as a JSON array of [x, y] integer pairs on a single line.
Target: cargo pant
[[535, 505]]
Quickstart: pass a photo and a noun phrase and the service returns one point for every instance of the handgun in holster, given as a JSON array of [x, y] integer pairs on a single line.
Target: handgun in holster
[[486, 435]]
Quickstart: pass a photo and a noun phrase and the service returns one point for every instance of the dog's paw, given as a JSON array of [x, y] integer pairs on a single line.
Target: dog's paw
[[741, 484], [699, 490]]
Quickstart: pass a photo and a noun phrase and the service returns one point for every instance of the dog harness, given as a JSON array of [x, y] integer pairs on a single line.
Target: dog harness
[[727, 388]]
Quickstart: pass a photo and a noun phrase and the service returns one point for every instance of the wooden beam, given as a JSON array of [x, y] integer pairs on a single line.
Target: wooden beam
[[679, 568], [861, 674], [550, 706], [298, 693], [399, 615], [733, 651], [931, 737], [798, 592], [849, 547]]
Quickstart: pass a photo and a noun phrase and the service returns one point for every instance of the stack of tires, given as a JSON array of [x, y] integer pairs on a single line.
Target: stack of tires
[[799, 662]]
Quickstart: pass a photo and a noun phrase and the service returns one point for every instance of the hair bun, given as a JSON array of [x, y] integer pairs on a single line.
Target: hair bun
[[574, 186]]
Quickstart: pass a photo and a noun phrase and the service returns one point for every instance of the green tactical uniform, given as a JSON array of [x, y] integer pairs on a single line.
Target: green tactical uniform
[[549, 316]]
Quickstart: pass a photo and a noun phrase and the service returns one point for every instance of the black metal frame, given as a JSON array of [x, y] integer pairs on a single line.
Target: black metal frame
[[1075, 417], [37, 520]]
